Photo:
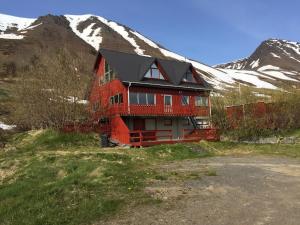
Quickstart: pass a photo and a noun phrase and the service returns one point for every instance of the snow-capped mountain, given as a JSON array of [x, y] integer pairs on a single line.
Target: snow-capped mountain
[[23, 40], [278, 60]]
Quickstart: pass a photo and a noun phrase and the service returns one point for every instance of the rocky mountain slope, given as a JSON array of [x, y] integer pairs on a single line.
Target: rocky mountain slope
[[23, 40]]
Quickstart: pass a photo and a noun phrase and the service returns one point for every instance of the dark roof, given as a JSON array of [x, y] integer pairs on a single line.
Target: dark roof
[[131, 68]]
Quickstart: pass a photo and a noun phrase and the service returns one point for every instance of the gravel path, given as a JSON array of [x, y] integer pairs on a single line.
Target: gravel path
[[247, 190]]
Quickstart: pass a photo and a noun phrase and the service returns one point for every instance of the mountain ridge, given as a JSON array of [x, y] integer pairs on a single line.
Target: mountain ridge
[[22, 38]]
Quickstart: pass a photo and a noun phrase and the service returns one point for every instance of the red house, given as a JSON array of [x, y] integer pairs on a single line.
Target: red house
[[142, 101]]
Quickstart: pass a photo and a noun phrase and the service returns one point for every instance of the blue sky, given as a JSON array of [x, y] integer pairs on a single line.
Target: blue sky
[[211, 31]]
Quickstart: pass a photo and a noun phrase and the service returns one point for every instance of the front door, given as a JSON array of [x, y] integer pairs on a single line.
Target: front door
[[139, 124]]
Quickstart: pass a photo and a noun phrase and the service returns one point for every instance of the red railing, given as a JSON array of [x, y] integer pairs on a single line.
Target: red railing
[[176, 110], [140, 136]]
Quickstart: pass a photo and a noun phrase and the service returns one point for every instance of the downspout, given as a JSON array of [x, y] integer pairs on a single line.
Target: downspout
[[210, 119], [128, 98]]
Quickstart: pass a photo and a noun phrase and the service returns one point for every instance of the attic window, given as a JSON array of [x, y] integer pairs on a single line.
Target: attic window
[[109, 73], [154, 73], [189, 77]]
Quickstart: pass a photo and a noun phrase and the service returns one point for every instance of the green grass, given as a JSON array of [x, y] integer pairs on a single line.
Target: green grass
[[54, 178], [67, 179]]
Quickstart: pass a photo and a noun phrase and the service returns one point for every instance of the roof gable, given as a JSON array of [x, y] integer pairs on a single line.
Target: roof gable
[[128, 67], [174, 69], [133, 68]]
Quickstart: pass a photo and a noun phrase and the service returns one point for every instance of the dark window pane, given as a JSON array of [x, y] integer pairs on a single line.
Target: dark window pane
[[168, 100], [111, 100], [133, 98], [120, 98], [189, 77], [151, 100], [185, 100], [142, 99], [116, 99]]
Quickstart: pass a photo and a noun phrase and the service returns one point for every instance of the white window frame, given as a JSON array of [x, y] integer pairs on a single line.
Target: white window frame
[[202, 105], [170, 99], [188, 100], [160, 75]]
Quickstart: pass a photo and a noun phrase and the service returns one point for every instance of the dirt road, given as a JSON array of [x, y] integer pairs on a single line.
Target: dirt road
[[250, 190]]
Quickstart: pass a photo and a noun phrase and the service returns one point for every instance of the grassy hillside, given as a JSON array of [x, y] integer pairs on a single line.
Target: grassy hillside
[[52, 178]]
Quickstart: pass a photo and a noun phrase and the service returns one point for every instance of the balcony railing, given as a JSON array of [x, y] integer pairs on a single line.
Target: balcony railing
[[174, 110], [152, 137]]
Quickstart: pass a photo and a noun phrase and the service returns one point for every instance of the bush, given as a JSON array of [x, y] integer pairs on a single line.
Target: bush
[[283, 113]]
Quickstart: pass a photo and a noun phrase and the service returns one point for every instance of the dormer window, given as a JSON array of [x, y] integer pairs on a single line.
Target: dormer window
[[154, 73], [189, 77]]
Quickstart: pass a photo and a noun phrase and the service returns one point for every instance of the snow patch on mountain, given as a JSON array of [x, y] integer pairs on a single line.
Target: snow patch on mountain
[[19, 23], [249, 77], [254, 64], [276, 72], [89, 35], [274, 55], [11, 36], [95, 39], [4, 126]]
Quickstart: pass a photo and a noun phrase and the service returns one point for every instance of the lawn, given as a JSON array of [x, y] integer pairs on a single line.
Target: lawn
[[51, 178]]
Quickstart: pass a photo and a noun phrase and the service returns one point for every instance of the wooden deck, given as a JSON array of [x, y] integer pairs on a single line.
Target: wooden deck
[[157, 137]]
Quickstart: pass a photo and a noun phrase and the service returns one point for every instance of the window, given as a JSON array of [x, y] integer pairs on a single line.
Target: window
[[151, 99], [117, 99], [111, 100], [168, 99], [201, 101], [154, 72], [168, 122], [142, 98], [108, 73], [185, 100], [133, 97], [189, 77], [120, 98]]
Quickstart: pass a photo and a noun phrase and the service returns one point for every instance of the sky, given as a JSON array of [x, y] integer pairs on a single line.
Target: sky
[[210, 31]]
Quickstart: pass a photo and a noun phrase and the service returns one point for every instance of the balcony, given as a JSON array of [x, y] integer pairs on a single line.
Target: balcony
[[158, 110]]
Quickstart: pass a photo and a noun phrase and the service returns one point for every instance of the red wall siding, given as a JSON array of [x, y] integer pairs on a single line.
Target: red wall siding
[[119, 130], [101, 94]]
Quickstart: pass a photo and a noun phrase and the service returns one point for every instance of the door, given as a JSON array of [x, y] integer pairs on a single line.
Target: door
[[139, 124], [168, 103]]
